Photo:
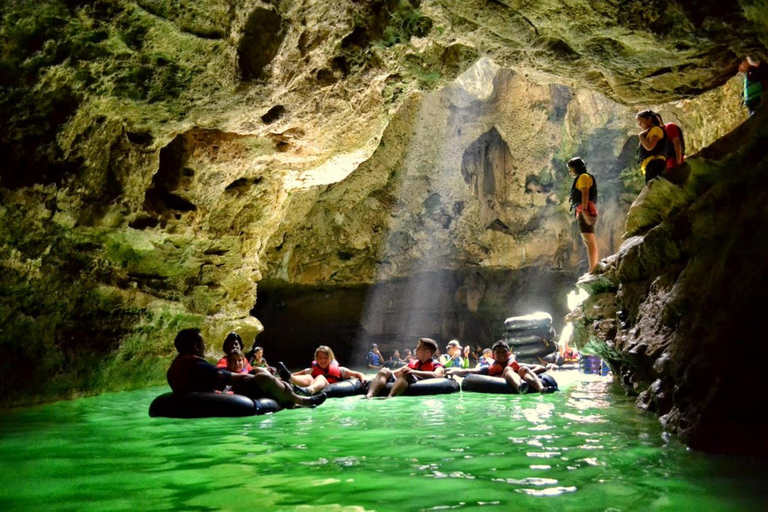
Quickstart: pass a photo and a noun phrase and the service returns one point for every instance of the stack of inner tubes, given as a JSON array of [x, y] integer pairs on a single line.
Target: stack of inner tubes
[[530, 336]]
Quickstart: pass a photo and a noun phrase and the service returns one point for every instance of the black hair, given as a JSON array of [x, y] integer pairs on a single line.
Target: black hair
[[229, 342], [578, 165], [649, 114], [430, 343], [186, 340], [500, 343]]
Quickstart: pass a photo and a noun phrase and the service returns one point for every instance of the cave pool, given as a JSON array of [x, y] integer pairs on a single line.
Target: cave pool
[[585, 448]]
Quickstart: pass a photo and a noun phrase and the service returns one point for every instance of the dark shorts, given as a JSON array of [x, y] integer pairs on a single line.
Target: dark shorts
[[654, 168], [584, 226]]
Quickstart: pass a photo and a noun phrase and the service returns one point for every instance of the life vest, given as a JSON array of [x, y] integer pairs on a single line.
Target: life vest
[[429, 366], [576, 193], [496, 369], [332, 373], [659, 151], [753, 86], [223, 364]]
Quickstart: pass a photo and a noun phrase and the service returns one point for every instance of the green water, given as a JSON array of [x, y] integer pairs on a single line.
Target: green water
[[583, 449]]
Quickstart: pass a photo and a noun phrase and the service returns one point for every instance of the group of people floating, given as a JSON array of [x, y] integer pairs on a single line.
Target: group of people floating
[[661, 153], [455, 356], [249, 374]]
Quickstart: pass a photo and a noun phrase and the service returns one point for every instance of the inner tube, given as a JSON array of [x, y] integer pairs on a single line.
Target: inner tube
[[540, 349], [497, 385], [527, 340], [209, 405], [343, 388], [441, 386], [546, 332], [532, 321]]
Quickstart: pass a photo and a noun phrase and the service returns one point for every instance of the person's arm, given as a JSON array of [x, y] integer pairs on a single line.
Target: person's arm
[[535, 368], [435, 374], [649, 139], [351, 374], [678, 151], [585, 201], [461, 372]]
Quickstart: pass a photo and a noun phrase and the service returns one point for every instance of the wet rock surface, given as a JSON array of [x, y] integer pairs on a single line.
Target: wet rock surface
[[676, 327]]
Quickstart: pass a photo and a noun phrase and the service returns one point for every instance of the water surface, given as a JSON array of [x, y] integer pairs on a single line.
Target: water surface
[[586, 448]]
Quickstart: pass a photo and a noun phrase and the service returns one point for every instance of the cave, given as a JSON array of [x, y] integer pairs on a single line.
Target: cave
[[357, 173]]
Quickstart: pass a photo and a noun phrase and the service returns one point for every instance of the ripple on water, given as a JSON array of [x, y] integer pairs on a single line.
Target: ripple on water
[[581, 449]]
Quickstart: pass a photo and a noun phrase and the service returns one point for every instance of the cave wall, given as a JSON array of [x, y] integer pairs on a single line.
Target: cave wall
[[676, 310], [468, 304]]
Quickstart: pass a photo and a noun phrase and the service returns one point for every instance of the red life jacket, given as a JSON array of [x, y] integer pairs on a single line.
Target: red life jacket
[[429, 366], [332, 373], [496, 369]]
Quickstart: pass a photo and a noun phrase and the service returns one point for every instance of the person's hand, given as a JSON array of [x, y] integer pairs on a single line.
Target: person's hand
[[405, 370]]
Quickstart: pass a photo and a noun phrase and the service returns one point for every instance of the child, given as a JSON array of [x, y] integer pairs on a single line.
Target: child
[[505, 366], [233, 341], [486, 359], [257, 358], [408, 355], [236, 362], [325, 370], [425, 366]]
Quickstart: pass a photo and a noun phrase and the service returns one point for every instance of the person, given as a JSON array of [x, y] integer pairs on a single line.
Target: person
[[754, 76], [583, 198], [425, 366], [324, 370], [520, 377], [487, 358], [408, 355], [452, 359], [232, 341], [651, 153], [236, 362], [374, 358], [467, 356], [257, 358], [190, 372]]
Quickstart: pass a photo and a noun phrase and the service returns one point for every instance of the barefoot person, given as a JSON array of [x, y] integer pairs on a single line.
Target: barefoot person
[[519, 377], [425, 366], [325, 370], [190, 373], [583, 198]]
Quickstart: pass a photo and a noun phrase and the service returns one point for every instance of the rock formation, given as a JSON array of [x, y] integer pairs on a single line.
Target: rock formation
[[160, 158]]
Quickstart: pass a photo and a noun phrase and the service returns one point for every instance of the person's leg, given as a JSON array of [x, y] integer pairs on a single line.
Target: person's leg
[[266, 386], [531, 378], [400, 385], [378, 382], [512, 378], [317, 384], [654, 169], [590, 242], [301, 380]]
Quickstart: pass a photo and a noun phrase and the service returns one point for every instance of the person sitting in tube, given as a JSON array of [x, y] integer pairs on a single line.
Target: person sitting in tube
[[452, 359], [486, 359], [233, 341], [425, 366], [190, 373], [374, 358], [519, 377], [324, 370], [236, 362]]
